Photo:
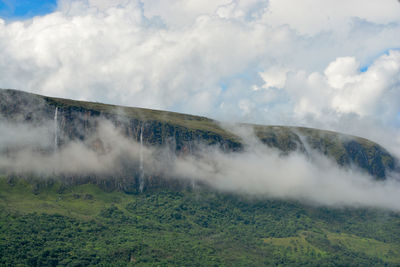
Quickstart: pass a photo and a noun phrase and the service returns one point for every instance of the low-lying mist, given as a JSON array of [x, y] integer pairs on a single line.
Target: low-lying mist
[[257, 170]]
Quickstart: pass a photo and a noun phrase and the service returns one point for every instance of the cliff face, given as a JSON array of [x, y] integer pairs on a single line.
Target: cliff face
[[345, 150], [77, 120]]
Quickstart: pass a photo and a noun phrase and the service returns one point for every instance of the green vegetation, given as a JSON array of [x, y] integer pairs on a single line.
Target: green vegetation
[[370, 247], [344, 149], [82, 225], [195, 123]]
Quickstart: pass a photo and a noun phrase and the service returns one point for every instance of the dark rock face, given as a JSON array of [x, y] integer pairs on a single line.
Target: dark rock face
[[345, 150], [21, 107], [76, 123], [181, 133], [374, 159]]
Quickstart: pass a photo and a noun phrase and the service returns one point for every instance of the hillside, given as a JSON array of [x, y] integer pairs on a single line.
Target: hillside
[[86, 226], [131, 216]]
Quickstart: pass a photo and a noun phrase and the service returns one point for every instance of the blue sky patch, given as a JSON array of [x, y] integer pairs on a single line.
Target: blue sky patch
[[223, 85], [24, 9], [372, 60]]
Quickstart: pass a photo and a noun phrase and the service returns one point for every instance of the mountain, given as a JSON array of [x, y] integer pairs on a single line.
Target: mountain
[[133, 215], [77, 120]]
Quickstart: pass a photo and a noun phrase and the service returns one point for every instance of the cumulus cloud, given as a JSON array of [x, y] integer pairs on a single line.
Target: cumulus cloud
[[280, 62], [344, 98], [311, 16], [274, 77], [345, 89]]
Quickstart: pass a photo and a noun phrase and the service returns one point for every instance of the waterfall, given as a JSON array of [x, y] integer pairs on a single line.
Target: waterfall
[[55, 130], [141, 178]]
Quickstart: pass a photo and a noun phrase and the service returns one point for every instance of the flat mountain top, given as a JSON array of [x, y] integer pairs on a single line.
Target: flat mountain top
[[160, 126]]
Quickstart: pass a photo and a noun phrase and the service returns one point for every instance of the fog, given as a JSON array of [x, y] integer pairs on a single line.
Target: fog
[[257, 171], [105, 152], [314, 179]]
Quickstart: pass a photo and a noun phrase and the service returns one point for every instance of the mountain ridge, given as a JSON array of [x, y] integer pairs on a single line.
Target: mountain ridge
[[76, 119]]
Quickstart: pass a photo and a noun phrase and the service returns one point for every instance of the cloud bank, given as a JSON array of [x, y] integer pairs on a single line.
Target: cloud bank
[[257, 171], [262, 172]]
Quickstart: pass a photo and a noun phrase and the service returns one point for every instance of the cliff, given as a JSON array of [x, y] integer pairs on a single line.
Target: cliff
[[78, 120]]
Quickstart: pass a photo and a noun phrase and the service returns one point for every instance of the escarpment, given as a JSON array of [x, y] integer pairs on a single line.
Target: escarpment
[[180, 133]]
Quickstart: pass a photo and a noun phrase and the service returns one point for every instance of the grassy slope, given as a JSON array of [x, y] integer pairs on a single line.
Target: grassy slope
[[83, 225], [184, 120], [205, 124]]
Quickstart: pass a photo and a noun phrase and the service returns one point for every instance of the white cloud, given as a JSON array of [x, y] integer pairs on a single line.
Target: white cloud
[[255, 172], [342, 88], [176, 54], [116, 56], [342, 71], [313, 16], [181, 13], [274, 77]]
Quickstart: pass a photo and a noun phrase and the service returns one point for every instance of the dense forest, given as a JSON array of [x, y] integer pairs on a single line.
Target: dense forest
[[85, 226]]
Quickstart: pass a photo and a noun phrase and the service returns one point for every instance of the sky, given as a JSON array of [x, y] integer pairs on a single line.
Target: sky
[[327, 64], [23, 9]]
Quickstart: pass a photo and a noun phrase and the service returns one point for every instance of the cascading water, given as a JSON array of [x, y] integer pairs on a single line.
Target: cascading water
[[193, 182], [141, 168], [56, 130]]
